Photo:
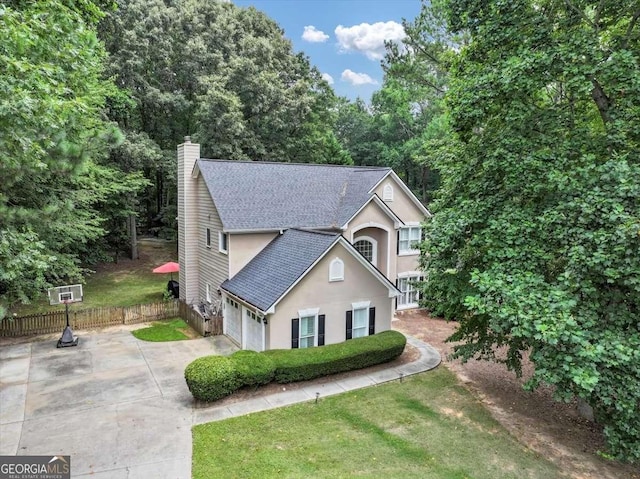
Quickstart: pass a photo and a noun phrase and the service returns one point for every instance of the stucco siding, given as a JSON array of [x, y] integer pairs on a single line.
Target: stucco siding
[[332, 298], [213, 265], [407, 263], [243, 247], [401, 205], [373, 217]]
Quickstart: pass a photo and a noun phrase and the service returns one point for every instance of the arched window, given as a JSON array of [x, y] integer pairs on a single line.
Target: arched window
[[336, 270], [367, 247], [387, 192]]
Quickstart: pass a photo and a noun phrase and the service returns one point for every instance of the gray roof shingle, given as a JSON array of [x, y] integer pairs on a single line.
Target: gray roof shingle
[[254, 195], [274, 269]]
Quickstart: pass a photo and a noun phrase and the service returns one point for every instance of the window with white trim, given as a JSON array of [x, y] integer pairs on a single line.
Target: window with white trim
[[208, 238], [387, 192], [360, 327], [336, 270], [408, 240], [308, 328], [223, 240], [410, 292], [367, 247], [208, 293]]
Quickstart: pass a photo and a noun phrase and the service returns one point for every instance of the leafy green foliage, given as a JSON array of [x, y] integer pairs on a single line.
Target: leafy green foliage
[[223, 74], [303, 364], [55, 195], [535, 238], [211, 378], [253, 369]]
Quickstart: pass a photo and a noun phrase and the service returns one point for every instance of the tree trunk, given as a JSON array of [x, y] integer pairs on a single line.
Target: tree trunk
[[133, 236]]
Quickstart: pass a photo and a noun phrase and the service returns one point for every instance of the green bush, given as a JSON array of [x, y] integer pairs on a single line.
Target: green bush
[[212, 377], [252, 368], [303, 364]]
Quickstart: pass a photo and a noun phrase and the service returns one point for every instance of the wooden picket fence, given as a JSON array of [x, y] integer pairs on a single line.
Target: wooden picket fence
[[55, 321]]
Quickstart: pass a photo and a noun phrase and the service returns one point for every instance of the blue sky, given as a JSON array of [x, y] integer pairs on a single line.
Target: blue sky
[[344, 38]]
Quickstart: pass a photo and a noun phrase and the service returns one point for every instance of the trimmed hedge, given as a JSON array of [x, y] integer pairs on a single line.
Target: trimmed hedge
[[252, 368], [304, 364], [212, 377]]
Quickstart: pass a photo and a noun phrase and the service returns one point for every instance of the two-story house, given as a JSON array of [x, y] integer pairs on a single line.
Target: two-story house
[[300, 255]]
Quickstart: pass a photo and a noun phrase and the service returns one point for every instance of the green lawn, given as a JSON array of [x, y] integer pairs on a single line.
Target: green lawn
[[429, 426], [119, 284], [170, 330]]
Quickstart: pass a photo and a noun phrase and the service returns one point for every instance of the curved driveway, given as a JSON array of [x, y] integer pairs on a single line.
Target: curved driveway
[[120, 407]]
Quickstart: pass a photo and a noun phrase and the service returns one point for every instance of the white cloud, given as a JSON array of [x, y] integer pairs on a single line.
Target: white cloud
[[357, 79], [312, 35], [369, 39], [328, 78]]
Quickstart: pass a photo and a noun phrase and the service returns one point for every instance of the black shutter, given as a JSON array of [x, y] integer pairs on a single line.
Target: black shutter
[[321, 330], [372, 321], [396, 296], [398, 242], [349, 324], [295, 333]]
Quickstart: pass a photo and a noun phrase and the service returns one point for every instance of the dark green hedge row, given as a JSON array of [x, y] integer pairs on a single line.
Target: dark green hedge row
[[303, 364], [213, 377]]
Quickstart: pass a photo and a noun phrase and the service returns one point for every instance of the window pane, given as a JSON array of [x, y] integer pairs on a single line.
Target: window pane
[[415, 234], [404, 233], [307, 326], [359, 332], [306, 342], [365, 248], [360, 318]]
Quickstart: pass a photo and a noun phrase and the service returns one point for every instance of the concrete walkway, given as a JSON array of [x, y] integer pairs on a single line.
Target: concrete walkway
[[429, 359], [120, 407]]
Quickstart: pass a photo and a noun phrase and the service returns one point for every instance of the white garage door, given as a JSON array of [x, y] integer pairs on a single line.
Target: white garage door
[[232, 320], [252, 328]]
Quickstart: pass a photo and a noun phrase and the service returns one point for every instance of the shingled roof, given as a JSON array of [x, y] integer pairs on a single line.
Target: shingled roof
[[254, 195], [278, 266]]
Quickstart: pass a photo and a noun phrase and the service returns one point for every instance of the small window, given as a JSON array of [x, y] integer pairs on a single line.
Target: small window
[[307, 331], [208, 293], [410, 292], [387, 192], [408, 240], [360, 327], [223, 240], [208, 238], [336, 270], [367, 247]]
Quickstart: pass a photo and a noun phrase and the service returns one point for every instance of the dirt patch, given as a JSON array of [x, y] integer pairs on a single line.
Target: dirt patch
[[152, 252], [554, 430]]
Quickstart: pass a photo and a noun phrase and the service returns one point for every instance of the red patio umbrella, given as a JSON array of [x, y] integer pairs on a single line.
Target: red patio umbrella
[[169, 267]]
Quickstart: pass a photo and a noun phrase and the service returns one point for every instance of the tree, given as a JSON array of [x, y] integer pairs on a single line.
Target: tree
[[535, 238], [406, 126], [223, 74], [52, 134]]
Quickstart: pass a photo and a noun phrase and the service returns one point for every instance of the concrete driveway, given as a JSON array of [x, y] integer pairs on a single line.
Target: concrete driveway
[[119, 406]]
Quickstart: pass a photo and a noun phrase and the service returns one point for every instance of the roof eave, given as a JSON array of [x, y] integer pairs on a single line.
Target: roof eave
[[396, 220]]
